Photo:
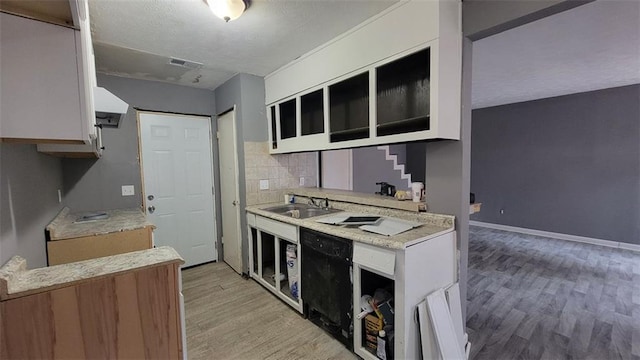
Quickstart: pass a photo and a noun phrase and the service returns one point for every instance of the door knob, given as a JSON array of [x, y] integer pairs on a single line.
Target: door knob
[[150, 197], [151, 209], [234, 203]]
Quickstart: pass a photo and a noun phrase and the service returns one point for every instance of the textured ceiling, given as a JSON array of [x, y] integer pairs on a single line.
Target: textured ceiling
[[136, 38], [590, 47]]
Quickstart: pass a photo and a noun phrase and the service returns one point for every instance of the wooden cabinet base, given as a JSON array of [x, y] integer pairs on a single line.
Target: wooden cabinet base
[[129, 316], [91, 247]]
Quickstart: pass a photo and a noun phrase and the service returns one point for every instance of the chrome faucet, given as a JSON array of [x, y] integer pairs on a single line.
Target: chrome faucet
[[312, 202]]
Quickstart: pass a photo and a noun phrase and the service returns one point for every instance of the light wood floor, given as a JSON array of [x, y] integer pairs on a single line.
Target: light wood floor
[[528, 298], [531, 297], [229, 317]]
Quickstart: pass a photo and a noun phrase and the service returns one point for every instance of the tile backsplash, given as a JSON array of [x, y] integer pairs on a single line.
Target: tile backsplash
[[283, 171]]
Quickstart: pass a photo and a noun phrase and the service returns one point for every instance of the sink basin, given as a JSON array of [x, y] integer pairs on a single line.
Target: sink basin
[[304, 211]]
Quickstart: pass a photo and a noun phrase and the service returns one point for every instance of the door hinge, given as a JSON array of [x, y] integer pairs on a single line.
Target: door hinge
[[217, 134]]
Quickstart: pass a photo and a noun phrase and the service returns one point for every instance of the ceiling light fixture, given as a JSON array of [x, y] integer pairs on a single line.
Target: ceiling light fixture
[[227, 10]]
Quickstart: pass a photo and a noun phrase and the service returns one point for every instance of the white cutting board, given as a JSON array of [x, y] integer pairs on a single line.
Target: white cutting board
[[386, 226], [390, 226], [338, 218]]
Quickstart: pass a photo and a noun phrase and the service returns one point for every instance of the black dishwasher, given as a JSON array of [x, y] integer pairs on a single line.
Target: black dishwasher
[[326, 287]]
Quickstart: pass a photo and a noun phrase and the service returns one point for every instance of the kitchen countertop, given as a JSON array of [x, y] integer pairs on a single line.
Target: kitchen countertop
[[64, 227], [359, 198], [433, 225], [16, 281]]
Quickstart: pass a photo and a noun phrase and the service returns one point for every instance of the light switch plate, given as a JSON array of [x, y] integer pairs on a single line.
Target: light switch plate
[[301, 181], [264, 184], [128, 190]]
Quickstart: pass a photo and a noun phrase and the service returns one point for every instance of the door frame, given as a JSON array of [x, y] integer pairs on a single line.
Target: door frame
[[143, 206], [234, 124], [322, 170]]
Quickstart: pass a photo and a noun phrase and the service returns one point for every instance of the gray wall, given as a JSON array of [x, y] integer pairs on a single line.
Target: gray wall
[[96, 184], [254, 118], [482, 18], [416, 160], [448, 172], [399, 150], [371, 166], [568, 164], [29, 183], [247, 93]]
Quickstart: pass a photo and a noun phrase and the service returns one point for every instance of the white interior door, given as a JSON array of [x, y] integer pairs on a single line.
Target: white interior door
[[229, 191], [178, 186], [337, 169]]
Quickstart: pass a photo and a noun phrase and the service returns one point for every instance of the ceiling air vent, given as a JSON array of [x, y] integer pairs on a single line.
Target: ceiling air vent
[[185, 63]]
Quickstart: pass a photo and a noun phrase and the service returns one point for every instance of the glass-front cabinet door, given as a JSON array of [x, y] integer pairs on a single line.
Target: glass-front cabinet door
[[349, 109], [390, 101], [273, 129], [312, 112], [288, 121], [402, 95]]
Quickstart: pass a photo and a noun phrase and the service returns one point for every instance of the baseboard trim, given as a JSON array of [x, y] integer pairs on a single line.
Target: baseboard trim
[[554, 235]]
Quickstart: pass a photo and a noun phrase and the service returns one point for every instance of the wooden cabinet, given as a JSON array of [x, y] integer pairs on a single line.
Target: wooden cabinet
[[63, 251], [395, 78], [46, 87], [272, 245], [71, 238], [122, 307]]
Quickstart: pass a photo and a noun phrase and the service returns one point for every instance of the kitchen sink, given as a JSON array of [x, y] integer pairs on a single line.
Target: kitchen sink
[[301, 211]]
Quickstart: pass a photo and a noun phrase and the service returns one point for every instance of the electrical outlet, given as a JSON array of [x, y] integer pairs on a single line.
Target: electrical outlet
[[264, 184], [128, 190], [301, 181]]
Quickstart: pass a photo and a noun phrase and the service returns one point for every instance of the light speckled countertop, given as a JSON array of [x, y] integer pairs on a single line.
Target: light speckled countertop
[[433, 224], [360, 198], [17, 281], [64, 227]]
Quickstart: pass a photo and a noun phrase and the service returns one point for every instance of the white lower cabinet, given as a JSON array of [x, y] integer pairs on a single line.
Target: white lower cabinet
[[409, 275], [274, 254], [417, 271]]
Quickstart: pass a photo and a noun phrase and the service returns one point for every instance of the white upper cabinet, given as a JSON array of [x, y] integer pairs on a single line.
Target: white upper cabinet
[[394, 78], [86, 84], [41, 83]]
